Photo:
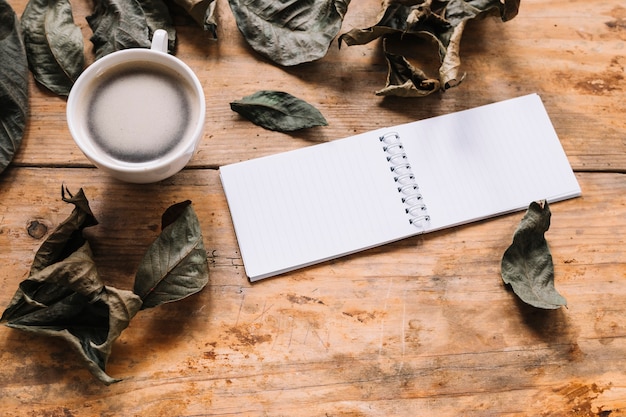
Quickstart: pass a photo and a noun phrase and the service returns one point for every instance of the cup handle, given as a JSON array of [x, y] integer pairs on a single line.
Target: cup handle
[[159, 41]]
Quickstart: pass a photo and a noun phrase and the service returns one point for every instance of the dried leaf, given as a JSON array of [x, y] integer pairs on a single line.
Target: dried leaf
[[400, 17], [440, 21], [54, 44], [210, 22], [451, 63], [277, 110], [527, 264], [404, 80], [116, 25], [175, 265], [158, 17], [13, 85], [68, 236], [289, 33], [203, 12], [64, 297]]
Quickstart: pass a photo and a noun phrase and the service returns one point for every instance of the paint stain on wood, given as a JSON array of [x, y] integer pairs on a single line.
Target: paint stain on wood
[[580, 398], [618, 24], [303, 299], [57, 412], [363, 316], [244, 337]]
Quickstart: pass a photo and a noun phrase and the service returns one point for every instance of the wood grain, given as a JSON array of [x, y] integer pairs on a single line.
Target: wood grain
[[571, 53], [424, 325], [419, 327]]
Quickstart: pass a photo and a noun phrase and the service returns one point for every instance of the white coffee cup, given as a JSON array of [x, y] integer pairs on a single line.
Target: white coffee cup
[[138, 114]]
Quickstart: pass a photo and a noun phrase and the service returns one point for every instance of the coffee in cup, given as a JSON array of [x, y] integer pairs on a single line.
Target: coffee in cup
[[138, 113]]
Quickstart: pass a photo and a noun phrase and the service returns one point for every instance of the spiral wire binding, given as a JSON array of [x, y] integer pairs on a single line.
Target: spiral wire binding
[[403, 176]]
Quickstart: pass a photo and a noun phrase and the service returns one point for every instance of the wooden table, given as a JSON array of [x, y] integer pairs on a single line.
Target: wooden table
[[420, 327]]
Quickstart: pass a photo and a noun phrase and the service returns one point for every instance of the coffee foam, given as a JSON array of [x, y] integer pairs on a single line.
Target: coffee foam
[[139, 112]]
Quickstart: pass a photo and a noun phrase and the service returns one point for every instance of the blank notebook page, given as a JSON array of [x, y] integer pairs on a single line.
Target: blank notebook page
[[300, 207], [490, 160], [305, 206]]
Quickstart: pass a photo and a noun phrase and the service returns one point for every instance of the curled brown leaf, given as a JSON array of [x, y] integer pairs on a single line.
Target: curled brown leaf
[[441, 22], [527, 264]]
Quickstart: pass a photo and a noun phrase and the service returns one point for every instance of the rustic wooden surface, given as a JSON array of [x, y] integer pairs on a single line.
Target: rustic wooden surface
[[420, 327]]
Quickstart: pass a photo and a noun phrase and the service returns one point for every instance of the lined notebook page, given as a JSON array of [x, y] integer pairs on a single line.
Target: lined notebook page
[[305, 206]]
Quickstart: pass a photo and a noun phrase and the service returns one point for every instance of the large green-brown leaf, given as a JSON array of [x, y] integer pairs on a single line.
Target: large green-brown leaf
[[442, 22], [64, 296], [123, 24], [175, 265], [54, 44], [13, 85], [527, 264], [116, 25], [279, 111], [289, 32], [68, 300]]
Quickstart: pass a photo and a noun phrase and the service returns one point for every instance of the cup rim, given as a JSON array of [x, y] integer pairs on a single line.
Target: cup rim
[[123, 57]]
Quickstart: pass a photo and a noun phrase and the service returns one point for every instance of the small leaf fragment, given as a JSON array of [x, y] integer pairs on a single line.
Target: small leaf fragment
[[404, 80], [279, 111], [13, 85], [527, 264], [209, 22], [54, 44], [175, 265], [203, 12]]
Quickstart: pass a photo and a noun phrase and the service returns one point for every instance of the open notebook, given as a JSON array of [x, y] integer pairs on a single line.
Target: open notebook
[[302, 207]]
